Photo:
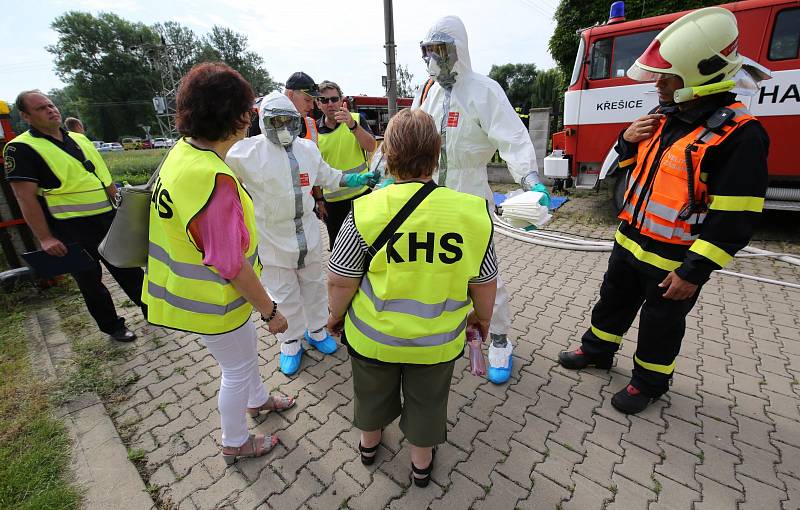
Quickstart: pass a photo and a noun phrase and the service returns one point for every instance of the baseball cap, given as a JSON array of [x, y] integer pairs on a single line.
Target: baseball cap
[[304, 83]]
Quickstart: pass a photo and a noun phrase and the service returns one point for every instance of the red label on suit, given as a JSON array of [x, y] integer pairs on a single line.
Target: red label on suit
[[304, 180], [452, 119]]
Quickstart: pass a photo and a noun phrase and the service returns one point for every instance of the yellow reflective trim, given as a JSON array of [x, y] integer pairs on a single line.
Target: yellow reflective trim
[[646, 256], [654, 367], [628, 161], [727, 203], [716, 255], [608, 337]]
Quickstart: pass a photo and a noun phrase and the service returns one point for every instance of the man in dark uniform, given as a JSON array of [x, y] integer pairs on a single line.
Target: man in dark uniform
[[63, 189], [698, 176]]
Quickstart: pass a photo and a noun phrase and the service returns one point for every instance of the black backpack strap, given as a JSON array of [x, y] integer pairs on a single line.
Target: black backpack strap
[[401, 216]]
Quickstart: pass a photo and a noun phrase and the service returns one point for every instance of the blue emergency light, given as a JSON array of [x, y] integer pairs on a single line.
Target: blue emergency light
[[617, 12]]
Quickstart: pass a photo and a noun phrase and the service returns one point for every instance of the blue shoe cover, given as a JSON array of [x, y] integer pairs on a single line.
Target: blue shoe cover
[[500, 375], [290, 364], [327, 345]]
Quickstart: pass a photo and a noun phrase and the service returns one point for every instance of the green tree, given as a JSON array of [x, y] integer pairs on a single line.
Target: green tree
[[573, 15], [225, 45], [109, 81], [405, 80], [517, 81], [186, 43]]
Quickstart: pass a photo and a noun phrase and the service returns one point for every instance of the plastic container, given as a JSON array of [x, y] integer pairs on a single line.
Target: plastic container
[[477, 363]]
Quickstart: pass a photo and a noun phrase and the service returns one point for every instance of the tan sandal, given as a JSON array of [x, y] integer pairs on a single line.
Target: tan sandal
[[255, 446], [272, 404]]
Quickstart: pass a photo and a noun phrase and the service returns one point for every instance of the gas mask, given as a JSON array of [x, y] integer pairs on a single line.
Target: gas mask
[[281, 127], [439, 54]]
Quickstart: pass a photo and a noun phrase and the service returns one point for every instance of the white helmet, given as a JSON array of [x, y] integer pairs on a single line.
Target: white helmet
[[700, 47]]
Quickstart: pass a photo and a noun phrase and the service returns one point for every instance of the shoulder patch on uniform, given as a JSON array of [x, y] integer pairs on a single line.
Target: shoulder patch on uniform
[[9, 164]]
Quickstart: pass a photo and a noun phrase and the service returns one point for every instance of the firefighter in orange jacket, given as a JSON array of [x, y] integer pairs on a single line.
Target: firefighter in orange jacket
[[698, 176]]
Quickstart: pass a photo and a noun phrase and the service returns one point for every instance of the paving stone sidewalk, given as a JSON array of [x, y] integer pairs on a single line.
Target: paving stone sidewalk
[[727, 436]]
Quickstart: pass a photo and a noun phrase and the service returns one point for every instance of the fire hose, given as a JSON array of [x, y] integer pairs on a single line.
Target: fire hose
[[551, 239]]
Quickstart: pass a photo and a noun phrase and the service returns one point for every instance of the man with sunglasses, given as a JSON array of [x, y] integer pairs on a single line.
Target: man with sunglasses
[[65, 193], [344, 141]]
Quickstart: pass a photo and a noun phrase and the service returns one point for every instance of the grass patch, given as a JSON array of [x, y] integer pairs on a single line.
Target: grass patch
[[34, 446], [135, 167]]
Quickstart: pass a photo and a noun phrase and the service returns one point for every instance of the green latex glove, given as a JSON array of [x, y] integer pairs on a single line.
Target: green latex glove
[[545, 200], [385, 183], [357, 180]]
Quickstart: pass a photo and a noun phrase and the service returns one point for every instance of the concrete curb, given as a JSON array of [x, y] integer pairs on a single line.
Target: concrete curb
[[99, 458]]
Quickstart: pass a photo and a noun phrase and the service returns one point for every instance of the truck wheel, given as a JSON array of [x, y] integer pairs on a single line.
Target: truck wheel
[[619, 189]]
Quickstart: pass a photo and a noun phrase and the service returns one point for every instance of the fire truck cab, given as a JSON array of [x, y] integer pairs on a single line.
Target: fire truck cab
[[376, 110], [601, 100]]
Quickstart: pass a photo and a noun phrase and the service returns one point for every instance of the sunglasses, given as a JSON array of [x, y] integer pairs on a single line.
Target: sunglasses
[[326, 100]]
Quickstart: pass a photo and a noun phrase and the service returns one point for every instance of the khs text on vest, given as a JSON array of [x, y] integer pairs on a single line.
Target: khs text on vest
[[449, 253], [161, 200]]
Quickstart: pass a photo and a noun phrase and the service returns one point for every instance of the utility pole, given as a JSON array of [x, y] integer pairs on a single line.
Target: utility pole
[[391, 67], [160, 57]]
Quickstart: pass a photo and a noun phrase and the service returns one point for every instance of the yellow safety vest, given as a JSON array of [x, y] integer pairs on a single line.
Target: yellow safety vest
[[180, 291], [340, 149], [413, 301], [82, 193]]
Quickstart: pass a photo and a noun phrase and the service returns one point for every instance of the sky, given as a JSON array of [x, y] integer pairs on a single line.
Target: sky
[[340, 40]]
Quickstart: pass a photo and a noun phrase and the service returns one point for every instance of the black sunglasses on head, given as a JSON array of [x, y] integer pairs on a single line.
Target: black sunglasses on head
[[326, 100]]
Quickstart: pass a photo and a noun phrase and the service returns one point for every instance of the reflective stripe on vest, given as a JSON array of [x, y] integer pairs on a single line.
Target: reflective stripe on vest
[[81, 193], [192, 305], [179, 290], [311, 130], [191, 271], [668, 197], [341, 150], [411, 307]]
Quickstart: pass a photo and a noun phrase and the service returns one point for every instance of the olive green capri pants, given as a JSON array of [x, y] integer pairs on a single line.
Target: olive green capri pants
[[425, 388]]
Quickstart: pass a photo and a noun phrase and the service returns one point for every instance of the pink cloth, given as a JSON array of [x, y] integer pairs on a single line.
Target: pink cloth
[[219, 231]]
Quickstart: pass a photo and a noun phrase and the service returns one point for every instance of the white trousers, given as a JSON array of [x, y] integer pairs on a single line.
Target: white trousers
[[302, 298], [501, 320], [241, 386]]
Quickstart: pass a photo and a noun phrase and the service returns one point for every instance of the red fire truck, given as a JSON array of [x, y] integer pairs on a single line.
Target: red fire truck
[[601, 100], [376, 110]]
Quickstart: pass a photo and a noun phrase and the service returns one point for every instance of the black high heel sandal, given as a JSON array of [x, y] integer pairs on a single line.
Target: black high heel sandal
[[426, 473], [368, 460]]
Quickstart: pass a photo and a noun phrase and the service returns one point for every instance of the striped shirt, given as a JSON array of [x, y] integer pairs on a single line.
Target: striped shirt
[[349, 255]]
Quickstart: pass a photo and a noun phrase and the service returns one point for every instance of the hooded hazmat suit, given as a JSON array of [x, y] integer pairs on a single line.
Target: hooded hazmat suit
[[475, 119], [280, 179]]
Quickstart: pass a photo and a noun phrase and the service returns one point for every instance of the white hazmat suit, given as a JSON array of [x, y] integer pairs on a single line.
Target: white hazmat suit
[[475, 119], [279, 178]]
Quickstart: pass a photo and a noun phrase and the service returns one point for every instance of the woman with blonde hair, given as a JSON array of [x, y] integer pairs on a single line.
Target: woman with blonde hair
[[413, 265]]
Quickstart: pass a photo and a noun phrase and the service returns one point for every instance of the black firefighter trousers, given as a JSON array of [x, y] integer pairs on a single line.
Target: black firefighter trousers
[[88, 232], [629, 285]]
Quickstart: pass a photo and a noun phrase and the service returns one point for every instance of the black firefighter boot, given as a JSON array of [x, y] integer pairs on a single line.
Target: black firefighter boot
[[577, 359], [630, 400]]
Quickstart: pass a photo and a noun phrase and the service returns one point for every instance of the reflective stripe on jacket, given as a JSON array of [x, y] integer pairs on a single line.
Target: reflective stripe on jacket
[[180, 291], [657, 192], [413, 300], [341, 150], [82, 192]]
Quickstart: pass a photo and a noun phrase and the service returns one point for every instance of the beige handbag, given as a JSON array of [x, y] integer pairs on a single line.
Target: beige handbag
[[126, 242]]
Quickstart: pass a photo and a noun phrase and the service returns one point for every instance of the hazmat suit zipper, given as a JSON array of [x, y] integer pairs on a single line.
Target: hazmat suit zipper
[[443, 131], [302, 242]]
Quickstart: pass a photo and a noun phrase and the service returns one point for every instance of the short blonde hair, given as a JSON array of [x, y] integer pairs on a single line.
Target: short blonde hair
[[411, 145]]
